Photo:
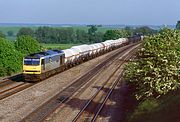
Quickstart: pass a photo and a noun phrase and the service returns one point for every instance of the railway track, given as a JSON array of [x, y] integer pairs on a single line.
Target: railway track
[[10, 80], [95, 104], [12, 85], [50, 106], [14, 89]]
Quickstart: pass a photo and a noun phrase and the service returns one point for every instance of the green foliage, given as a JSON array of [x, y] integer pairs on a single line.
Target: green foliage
[[27, 45], [55, 35], [163, 109], [156, 71], [129, 30], [98, 37], [10, 33], [178, 25], [25, 31], [82, 36], [115, 34], [10, 58], [67, 35], [92, 30], [145, 30], [109, 34], [2, 35], [94, 36], [146, 106]]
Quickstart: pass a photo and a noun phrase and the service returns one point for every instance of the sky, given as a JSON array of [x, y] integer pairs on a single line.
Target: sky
[[128, 12]]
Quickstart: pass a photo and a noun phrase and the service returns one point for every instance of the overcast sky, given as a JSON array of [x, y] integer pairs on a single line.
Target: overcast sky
[[133, 12]]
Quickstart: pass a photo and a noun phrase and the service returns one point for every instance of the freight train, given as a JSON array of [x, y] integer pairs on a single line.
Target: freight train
[[39, 66]]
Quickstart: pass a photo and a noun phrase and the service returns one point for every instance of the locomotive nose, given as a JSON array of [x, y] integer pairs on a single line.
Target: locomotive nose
[[31, 69]]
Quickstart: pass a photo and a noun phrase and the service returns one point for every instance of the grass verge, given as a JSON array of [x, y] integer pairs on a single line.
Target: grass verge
[[163, 109]]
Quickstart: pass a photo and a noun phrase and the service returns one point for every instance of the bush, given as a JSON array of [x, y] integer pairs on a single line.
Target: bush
[[156, 71], [2, 35], [27, 45], [10, 58], [144, 107], [115, 34], [25, 31]]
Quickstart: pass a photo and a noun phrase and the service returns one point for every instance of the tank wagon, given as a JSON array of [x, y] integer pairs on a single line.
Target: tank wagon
[[39, 66], [85, 51], [70, 56]]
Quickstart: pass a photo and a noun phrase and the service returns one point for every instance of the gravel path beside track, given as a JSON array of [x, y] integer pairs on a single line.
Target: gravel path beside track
[[113, 110]]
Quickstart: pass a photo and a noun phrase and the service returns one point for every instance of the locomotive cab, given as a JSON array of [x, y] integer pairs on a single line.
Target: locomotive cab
[[38, 66], [32, 66]]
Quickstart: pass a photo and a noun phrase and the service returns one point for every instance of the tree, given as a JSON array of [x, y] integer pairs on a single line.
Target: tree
[[10, 33], [67, 35], [115, 34], [156, 72], [145, 30], [27, 45], [98, 37], [42, 34], [10, 58], [178, 25], [99, 26], [109, 34], [129, 30], [82, 36], [92, 34], [25, 31], [55, 35], [2, 35], [92, 30]]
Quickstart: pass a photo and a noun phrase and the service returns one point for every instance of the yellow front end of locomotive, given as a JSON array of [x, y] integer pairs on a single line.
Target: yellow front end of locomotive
[[31, 69], [32, 66]]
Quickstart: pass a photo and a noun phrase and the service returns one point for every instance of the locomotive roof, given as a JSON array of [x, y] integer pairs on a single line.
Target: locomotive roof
[[47, 53]]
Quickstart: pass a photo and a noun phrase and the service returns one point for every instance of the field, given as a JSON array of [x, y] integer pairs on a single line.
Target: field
[[58, 46], [14, 29]]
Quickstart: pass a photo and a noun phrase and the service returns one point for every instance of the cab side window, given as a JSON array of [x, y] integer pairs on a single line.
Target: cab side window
[[42, 62]]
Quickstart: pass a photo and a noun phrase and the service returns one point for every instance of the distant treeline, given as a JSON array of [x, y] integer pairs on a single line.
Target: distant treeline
[[67, 35], [70, 35]]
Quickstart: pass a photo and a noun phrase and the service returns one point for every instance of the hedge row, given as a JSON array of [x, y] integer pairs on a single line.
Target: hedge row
[[11, 54]]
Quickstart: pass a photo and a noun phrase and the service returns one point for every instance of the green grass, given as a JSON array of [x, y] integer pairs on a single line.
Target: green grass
[[164, 109], [58, 46]]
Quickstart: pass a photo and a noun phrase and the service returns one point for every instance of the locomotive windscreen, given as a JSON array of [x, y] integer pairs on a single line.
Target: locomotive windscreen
[[32, 62]]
